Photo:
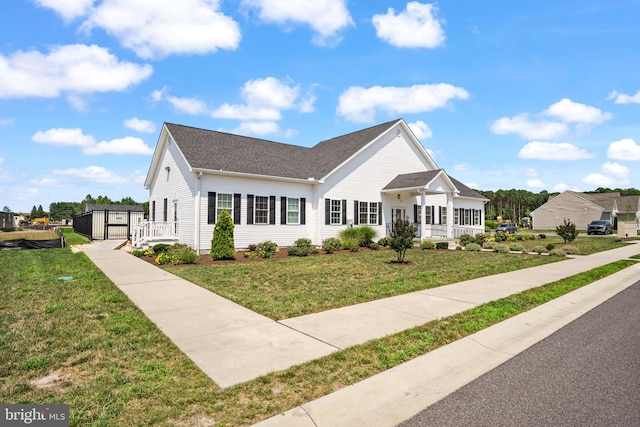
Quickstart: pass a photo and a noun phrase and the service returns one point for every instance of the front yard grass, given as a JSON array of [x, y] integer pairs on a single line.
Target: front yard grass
[[296, 286], [116, 368]]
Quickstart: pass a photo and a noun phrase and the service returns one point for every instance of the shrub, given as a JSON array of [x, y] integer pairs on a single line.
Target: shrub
[[500, 237], [538, 250], [567, 231], [251, 247], [160, 247], [542, 236], [520, 237], [164, 258], [473, 247], [249, 254], [442, 245], [570, 250], [489, 245], [222, 244], [490, 224], [402, 237], [302, 242], [266, 249], [502, 249], [427, 244], [351, 244], [374, 246], [188, 257], [138, 252], [550, 246], [385, 241], [348, 233], [458, 248], [363, 233], [516, 247], [298, 251], [557, 252], [331, 244], [465, 239]]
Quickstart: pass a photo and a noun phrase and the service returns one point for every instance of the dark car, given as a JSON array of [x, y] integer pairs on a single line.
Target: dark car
[[506, 228], [599, 227]]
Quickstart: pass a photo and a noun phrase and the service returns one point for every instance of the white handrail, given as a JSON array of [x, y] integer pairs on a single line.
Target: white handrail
[[153, 230]]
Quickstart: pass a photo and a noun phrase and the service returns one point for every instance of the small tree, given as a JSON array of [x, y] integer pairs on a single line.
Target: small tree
[[402, 236], [222, 244], [567, 231]]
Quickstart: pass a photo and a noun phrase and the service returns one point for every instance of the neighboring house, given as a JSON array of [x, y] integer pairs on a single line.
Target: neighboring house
[[580, 208], [282, 192], [7, 221]]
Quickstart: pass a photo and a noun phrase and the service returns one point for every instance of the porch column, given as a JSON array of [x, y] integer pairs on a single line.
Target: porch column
[[449, 215], [423, 216]]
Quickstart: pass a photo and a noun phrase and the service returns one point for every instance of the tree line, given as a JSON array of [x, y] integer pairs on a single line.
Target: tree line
[[515, 204], [66, 210]]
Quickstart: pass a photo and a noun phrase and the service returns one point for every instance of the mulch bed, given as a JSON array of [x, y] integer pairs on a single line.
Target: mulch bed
[[206, 259]]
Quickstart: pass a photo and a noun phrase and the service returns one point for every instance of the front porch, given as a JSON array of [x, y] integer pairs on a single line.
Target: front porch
[[149, 233], [434, 231]]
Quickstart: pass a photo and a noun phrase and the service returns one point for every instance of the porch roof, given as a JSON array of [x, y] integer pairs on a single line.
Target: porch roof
[[421, 180]]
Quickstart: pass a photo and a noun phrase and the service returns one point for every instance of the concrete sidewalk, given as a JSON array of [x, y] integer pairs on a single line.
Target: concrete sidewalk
[[232, 344]]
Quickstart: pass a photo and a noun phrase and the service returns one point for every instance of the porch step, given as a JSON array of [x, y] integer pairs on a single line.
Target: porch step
[[152, 242]]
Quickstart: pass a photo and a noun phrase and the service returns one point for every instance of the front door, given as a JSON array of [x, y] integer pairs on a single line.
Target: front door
[[398, 213]]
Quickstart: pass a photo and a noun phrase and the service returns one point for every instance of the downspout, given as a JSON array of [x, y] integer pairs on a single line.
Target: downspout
[[423, 216], [197, 209]]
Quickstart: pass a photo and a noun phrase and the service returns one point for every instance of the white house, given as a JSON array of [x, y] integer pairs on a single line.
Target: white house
[[282, 192]]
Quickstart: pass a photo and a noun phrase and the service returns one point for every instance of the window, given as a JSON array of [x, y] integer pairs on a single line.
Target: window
[[443, 215], [261, 210], [467, 216], [367, 213], [225, 201], [293, 211], [456, 216], [476, 217], [427, 214], [336, 212]]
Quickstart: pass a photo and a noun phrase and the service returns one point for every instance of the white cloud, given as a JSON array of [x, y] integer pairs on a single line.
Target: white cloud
[[561, 187], [525, 128], [535, 183], [325, 17], [188, 105], [621, 98], [6, 122], [360, 104], [530, 172], [462, 167], [62, 137], [598, 180], [416, 26], [553, 151], [73, 68], [93, 173], [574, 112], [77, 103], [119, 146], [43, 182], [615, 169], [257, 128], [263, 100], [165, 27], [144, 126], [625, 149], [67, 9], [420, 129]]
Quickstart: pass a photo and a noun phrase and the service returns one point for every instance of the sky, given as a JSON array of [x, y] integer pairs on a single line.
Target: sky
[[540, 95]]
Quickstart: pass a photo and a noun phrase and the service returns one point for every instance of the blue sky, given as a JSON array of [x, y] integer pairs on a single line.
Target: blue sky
[[530, 95]]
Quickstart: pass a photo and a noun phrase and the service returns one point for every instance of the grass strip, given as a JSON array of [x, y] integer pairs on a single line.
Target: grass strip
[[114, 367]]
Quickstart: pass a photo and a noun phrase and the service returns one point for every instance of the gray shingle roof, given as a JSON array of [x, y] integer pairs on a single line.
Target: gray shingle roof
[[213, 150], [420, 179]]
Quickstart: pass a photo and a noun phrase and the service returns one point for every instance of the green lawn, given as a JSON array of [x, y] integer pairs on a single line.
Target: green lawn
[[116, 367]]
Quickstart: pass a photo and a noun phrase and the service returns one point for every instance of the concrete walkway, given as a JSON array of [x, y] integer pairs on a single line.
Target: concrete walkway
[[232, 344]]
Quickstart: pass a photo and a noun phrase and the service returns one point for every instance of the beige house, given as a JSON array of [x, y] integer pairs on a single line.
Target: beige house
[[579, 208]]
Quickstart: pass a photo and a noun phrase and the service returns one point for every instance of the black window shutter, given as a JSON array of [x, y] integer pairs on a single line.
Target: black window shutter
[[303, 211], [272, 209], [153, 210], [415, 215], [433, 214], [211, 208], [327, 211], [440, 215], [236, 208], [165, 209], [283, 211], [379, 213], [356, 216], [249, 209], [344, 211]]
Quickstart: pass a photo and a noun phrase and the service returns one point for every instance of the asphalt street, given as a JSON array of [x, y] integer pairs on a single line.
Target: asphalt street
[[585, 374]]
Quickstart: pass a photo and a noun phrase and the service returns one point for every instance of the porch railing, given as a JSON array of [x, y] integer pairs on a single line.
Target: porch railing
[[440, 231], [149, 231]]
